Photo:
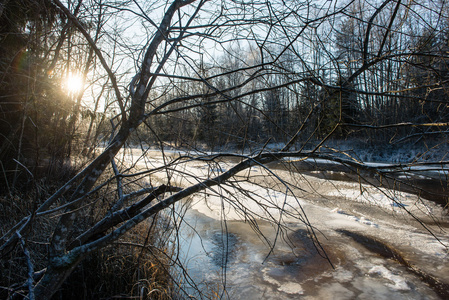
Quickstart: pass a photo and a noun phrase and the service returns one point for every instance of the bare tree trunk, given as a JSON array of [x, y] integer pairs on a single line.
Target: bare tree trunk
[[54, 277], [169, 84], [61, 264]]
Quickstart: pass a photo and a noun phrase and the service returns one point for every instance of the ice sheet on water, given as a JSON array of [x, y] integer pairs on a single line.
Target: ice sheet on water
[[361, 220], [263, 200], [289, 287], [371, 195], [396, 282], [231, 203]]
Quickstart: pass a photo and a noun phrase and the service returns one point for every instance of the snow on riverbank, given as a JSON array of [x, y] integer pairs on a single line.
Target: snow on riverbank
[[238, 199], [358, 273], [329, 206], [232, 200]]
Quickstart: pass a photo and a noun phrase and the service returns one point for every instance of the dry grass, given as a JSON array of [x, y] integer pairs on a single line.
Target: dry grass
[[136, 267]]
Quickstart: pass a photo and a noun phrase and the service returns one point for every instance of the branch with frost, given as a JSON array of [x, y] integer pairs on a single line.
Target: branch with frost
[[159, 110], [30, 279], [101, 242], [116, 217], [202, 185], [136, 115], [81, 184], [405, 124], [23, 225], [119, 202]]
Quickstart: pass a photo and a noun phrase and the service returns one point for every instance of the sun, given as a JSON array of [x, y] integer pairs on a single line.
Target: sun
[[73, 83]]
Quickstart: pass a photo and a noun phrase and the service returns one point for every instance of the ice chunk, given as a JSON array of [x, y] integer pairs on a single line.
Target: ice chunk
[[397, 282], [291, 288]]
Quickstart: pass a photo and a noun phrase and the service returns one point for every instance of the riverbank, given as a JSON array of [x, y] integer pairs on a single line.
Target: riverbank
[[296, 269], [264, 233]]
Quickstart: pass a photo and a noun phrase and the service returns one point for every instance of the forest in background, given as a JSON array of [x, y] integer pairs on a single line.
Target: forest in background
[[246, 94], [205, 75]]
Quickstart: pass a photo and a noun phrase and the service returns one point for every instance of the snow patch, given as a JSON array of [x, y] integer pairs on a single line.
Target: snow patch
[[361, 220], [230, 203], [289, 287], [371, 195], [397, 282]]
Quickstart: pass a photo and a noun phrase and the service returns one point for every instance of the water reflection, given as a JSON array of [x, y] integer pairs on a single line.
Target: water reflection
[[228, 260]]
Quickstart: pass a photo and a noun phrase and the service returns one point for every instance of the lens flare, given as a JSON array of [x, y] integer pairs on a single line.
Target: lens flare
[[74, 83]]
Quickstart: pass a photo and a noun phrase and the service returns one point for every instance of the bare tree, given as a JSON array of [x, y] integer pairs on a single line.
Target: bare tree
[[171, 62]]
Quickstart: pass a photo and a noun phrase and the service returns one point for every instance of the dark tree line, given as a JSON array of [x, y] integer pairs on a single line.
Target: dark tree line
[[405, 81], [42, 120]]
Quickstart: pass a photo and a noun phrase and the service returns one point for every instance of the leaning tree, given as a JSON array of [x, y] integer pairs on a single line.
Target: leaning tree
[[287, 66]]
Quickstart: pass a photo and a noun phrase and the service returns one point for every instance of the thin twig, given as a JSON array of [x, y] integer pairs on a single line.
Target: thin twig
[[30, 280]]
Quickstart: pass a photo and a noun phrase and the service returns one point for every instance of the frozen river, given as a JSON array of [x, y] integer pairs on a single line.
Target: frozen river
[[367, 246]]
